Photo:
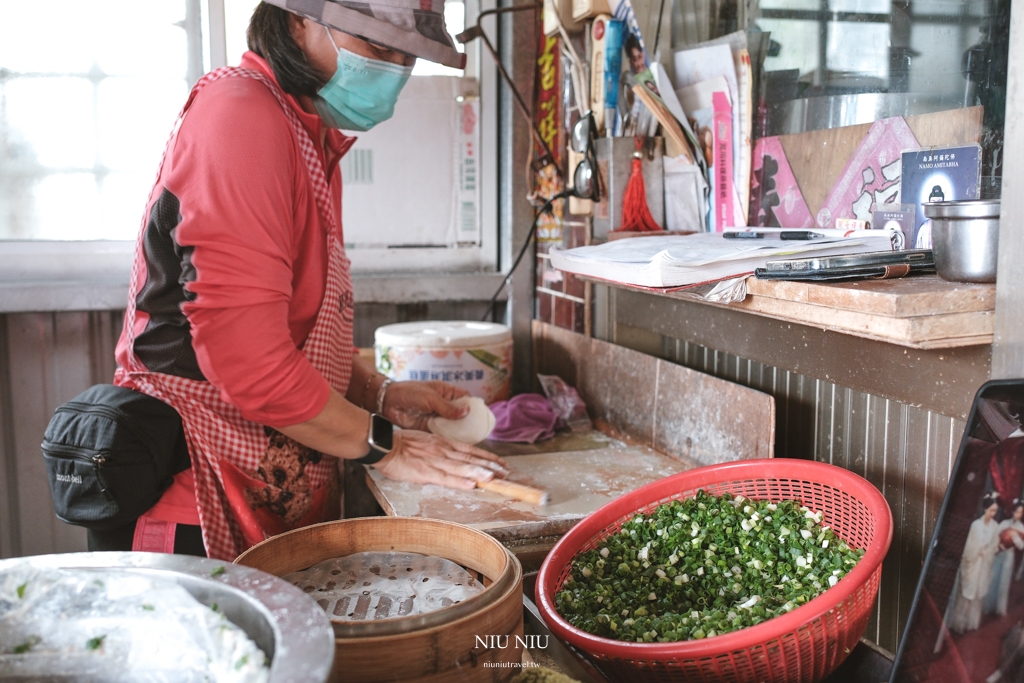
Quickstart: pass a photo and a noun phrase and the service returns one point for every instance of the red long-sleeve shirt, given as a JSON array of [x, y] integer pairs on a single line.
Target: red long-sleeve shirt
[[235, 255]]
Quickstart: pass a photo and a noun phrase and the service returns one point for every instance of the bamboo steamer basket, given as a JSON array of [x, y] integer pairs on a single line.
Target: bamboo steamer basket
[[474, 640]]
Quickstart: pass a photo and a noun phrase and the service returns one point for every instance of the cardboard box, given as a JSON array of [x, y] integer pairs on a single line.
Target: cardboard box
[[584, 9], [564, 10]]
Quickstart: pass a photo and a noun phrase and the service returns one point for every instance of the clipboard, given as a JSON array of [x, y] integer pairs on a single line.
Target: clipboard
[[874, 265]]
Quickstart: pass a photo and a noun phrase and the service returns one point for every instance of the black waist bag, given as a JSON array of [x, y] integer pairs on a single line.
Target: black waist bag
[[110, 453]]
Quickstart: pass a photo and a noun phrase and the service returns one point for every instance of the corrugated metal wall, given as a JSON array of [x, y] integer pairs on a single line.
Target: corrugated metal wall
[[906, 452]]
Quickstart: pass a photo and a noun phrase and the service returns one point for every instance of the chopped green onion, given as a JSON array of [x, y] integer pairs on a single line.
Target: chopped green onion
[[29, 643], [700, 567]]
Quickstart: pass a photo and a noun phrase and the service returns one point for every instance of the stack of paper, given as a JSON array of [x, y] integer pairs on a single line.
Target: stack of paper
[[721, 66], [678, 261]]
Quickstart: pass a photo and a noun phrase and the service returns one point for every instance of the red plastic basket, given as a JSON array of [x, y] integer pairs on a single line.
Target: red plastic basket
[[803, 645]]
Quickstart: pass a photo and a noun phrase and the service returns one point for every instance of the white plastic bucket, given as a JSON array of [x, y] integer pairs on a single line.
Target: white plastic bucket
[[474, 356]]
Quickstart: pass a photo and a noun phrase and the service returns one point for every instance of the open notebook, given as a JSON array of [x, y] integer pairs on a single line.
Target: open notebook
[[683, 260]]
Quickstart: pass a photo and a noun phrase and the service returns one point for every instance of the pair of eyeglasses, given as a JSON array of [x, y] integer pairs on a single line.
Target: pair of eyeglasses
[[585, 182]]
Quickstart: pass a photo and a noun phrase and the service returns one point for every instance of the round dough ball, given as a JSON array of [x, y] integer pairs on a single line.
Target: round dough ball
[[473, 428]]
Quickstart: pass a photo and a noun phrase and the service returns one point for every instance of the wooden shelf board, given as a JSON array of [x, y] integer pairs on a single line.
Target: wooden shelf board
[[937, 331], [920, 295], [923, 312]]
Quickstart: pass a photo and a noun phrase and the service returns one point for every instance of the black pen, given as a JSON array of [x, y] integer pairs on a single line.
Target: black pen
[[785, 235], [800, 235]]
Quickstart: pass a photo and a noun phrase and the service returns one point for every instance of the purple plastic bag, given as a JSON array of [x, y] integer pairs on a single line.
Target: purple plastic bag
[[525, 418], [566, 402]]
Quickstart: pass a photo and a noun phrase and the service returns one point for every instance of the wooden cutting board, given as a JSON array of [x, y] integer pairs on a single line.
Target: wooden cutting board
[[578, 482], [903, 298], [921, 332], [921, 312]]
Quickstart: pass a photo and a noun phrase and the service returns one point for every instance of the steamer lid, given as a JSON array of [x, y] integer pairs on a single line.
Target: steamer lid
[[442, 334]]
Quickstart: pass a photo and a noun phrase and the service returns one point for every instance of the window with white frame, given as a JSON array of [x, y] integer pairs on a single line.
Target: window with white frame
[[88, 99]]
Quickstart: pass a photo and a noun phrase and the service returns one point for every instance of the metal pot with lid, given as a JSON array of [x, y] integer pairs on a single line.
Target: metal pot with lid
[[965, 239]]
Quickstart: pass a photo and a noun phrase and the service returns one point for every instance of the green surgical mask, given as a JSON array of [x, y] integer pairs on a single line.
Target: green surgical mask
[[362, 92]]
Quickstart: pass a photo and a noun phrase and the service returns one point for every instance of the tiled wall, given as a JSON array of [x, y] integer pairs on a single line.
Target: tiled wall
[[561, 297]]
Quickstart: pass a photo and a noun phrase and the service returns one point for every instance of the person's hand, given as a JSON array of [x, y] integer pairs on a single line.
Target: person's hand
[[410, 404], [423, 458]]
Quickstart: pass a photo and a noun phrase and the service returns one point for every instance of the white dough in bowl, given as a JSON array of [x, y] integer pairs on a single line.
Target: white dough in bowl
[[473, 428]]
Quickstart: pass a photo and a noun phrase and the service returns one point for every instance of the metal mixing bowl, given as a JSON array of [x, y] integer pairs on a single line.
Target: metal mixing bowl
[[290, 628], [965, 239]]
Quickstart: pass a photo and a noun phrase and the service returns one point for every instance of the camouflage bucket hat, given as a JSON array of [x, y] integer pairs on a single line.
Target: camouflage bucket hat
[[413, 27]]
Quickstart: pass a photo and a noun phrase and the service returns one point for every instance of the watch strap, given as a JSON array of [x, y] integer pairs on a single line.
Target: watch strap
[[378, 450], [371, 458]]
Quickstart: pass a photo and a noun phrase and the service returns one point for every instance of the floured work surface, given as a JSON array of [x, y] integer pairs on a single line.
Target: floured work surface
[[585, 440], [578, 482]]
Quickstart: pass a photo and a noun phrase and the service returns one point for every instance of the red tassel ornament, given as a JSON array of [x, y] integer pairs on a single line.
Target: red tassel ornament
[[636, 216]]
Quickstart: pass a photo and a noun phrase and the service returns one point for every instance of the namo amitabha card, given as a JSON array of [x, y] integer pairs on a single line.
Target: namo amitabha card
[[941, 174], [898, 219]]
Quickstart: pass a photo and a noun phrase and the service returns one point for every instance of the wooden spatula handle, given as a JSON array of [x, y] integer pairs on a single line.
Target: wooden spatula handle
[[510, 489]]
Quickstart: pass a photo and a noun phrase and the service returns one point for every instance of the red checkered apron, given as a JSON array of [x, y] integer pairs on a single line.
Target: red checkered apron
[[252, 482]]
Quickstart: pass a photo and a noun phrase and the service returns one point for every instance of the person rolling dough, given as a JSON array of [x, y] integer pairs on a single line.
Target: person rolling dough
[[241, 306]]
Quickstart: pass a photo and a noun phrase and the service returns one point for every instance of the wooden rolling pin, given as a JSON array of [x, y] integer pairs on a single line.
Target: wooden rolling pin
[[510, 489]]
